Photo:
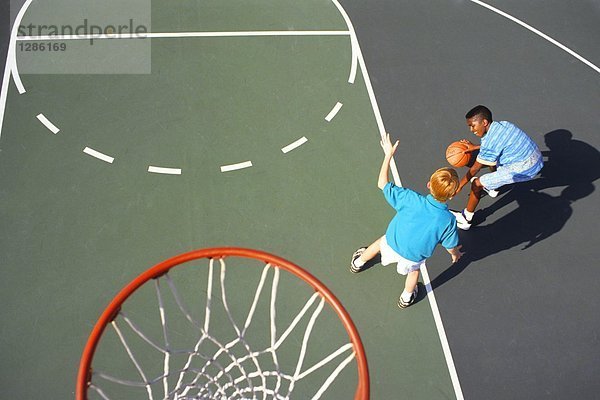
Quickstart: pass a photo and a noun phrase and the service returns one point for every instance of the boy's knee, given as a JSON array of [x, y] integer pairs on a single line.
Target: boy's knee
[[476, 186]]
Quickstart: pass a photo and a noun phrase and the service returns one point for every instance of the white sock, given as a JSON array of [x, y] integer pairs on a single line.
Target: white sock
[[358, 262], [468, 215], [406, 295]]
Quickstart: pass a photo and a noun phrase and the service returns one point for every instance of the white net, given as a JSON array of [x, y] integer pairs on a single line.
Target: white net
[[228, 357]]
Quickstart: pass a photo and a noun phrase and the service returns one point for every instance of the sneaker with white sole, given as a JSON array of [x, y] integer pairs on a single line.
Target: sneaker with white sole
[[491, 192], [461, 220], [413, 297], [355, 257]]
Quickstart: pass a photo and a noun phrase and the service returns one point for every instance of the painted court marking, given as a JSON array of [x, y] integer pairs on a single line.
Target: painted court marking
[[294, 145], [224, 168], [98, 155], [234, 167], [42, 118], [537, 32], [163, 170], [442, 334], [333, 112], [150, 35]]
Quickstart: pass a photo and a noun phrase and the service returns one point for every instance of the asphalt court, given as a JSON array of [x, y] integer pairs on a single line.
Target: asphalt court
[[77, 228], [512, 333]]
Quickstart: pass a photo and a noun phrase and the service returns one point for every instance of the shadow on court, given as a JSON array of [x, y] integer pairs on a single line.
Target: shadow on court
[[569, 163]]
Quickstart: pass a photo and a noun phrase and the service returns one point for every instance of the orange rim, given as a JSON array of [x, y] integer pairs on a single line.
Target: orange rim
[[84, 375]]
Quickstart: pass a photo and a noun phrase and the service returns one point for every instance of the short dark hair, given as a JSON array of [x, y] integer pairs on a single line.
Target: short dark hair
[[480, 111]]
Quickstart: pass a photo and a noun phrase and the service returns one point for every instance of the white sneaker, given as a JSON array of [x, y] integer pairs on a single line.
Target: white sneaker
[[491, 192], [461, 221]]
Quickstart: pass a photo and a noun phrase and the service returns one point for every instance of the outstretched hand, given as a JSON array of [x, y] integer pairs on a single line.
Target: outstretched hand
[[456, 254], [387, 146]]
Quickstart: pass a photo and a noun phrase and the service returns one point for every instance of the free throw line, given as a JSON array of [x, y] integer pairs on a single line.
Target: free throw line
[[98, 155], [234, 167], [294, 145], [151, 35], [42, 118]]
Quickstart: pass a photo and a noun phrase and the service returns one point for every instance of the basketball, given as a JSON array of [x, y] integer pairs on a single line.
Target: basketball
[[457, 154]]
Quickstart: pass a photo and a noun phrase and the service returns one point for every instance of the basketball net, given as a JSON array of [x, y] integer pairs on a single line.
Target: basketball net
[[213, 368]]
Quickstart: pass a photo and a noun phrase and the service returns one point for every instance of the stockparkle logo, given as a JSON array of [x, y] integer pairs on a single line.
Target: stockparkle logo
[[84, 31]]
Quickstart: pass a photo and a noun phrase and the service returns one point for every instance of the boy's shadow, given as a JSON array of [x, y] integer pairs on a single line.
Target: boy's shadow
[[570, 163]]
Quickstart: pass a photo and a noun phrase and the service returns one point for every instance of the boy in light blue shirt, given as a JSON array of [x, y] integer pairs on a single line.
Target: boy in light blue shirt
[[420, 223], [505, 148]]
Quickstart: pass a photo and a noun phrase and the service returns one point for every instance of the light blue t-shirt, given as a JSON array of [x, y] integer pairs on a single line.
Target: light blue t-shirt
[[504, 143], [420, 223]]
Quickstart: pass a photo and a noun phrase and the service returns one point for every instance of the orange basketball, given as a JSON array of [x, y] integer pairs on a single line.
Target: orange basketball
[[457, 155]]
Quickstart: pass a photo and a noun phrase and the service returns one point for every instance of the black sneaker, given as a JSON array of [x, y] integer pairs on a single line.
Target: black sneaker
[[413, 297], [355, 256]]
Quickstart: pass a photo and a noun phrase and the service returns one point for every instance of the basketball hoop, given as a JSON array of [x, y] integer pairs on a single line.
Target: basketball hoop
[[220, 368]]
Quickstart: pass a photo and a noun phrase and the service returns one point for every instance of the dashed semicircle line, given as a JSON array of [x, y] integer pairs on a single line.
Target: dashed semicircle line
[[294, 145], [164, 170], [333, 112], [100, 156], [235, 167], [46, 122]]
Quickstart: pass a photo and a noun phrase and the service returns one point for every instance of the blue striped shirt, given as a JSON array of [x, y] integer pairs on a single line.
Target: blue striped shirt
[[504, 143]]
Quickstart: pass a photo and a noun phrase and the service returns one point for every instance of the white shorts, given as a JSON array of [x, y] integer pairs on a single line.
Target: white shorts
[[389, 256]]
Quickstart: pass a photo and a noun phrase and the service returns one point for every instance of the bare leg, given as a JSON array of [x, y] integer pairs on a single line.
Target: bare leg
[[474, 195], [371, 251], [411, 281]]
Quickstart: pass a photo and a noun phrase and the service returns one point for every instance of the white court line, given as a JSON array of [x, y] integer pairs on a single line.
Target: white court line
[[151, 35], [10, 64], [353, 41], [539, 33], [333, 112], [98, 155], [430, 295], [163, 170], [4, 92], [294, 145], [442, 334], [42, 118], [234, 167], [12, 52]]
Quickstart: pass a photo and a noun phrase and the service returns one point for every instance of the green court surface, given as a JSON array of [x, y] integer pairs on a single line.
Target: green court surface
[[76, 229]]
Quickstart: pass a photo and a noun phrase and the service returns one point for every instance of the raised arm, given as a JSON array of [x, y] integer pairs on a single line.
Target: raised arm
[[388, 150]]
